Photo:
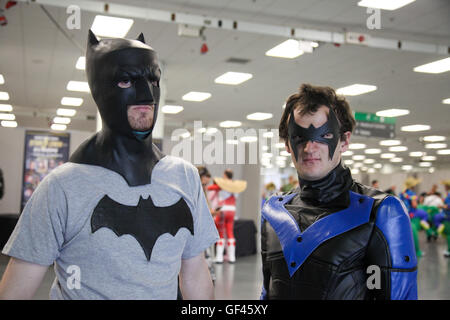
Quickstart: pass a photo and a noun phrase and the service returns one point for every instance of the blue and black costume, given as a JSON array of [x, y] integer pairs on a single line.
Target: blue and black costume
[[319, 240]]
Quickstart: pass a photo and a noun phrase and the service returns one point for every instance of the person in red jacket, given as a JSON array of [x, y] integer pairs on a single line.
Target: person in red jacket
[[222, 197]]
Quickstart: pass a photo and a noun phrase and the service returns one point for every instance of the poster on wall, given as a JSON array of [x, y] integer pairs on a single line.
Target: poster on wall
[[43, 152]]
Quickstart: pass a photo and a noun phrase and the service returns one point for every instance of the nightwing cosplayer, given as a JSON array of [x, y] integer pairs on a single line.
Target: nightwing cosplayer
[[332, 238]]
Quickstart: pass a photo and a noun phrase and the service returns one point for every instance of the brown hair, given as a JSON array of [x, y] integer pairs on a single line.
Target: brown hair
[[310, 98]]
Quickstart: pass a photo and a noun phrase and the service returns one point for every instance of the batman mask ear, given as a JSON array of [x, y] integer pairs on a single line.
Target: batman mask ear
[[141, 38], [92, 39]]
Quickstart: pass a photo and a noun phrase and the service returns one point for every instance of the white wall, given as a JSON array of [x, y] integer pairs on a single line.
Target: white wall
[[12, 144]]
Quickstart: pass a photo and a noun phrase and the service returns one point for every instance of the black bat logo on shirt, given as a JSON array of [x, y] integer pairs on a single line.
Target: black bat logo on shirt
[[145, 222]]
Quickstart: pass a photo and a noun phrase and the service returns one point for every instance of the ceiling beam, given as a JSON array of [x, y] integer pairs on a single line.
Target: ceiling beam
[[146, 13]]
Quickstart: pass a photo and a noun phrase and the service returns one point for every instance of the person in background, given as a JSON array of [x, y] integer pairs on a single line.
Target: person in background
[[442, 220], [419, 217], [391, 190], [269, 190], [375, 184], [222, 195], [293, 183]]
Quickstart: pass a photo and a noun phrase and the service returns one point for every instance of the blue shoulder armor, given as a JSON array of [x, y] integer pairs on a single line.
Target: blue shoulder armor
[[393, 221]]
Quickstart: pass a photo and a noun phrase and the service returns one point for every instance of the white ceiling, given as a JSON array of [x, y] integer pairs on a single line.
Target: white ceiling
[[37, 61]]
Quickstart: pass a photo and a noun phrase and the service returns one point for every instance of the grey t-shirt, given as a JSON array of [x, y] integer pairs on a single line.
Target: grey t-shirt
[[55, 227]]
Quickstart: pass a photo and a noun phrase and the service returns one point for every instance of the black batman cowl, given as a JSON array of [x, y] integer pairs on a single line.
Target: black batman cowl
[[116, 147]]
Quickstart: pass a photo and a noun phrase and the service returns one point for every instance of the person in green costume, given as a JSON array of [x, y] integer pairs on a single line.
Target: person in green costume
[[442, 220], [418, 217]]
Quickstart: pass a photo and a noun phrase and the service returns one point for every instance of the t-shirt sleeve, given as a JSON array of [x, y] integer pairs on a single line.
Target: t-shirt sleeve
[[39, 233], [205, 231]]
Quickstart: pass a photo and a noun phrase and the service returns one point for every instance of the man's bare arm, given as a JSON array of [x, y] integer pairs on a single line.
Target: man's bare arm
[[21, 280], [195, 279]]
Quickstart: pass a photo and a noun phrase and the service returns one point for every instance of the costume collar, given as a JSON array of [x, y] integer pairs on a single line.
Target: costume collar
[[328, 188], [130, 157]]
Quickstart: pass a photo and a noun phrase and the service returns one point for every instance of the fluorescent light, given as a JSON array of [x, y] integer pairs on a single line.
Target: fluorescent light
[[2, 79], [268, 134], [285, 153], [371, 170], [249, 139], [372, 151], [436, 146], [232, 142], [185, 135], [438, 66], [429, 158], [196, 96], [392, 113], [267, 155], [288, 49], [354, 171], [233, 78], [425, 164], [347, 153], [230, 124], [284, 106], [259, 116], [390, 142], [416, 154], [446, 101], [388, 155], [398, 148], [111, 27], [9, 124], [58, 127], [358, 157], [7, 116], [396, 160], [348, 162], [80, 86], [415, 127], [81, 63], [354, 146], [431, 170], [66, 112], [210, 131], [280, 145], [6, 107], [172, 109], [407, 167], [4, 95], [68, 101], [378, 166], [357, 165], [61, 120], [356, 89], [443, 152], [433, 138], [369, 161], [384, 4]]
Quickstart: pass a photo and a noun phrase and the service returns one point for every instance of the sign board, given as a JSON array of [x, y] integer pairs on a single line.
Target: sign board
[[371, 125]]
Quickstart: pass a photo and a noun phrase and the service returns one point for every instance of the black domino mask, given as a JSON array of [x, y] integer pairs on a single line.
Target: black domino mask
[[299, 135], [117, 146]]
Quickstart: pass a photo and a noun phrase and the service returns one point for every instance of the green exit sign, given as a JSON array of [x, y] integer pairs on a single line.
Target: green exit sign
[[372, 117]]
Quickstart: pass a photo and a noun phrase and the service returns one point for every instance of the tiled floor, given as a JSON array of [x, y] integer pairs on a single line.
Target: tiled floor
[[243, 279]]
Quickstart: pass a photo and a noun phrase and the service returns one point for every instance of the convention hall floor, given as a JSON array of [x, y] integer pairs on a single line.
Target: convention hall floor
[[243, 279]]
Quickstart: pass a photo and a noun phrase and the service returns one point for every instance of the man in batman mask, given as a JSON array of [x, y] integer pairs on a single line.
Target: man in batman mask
[[120, 220], [332, 238]]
